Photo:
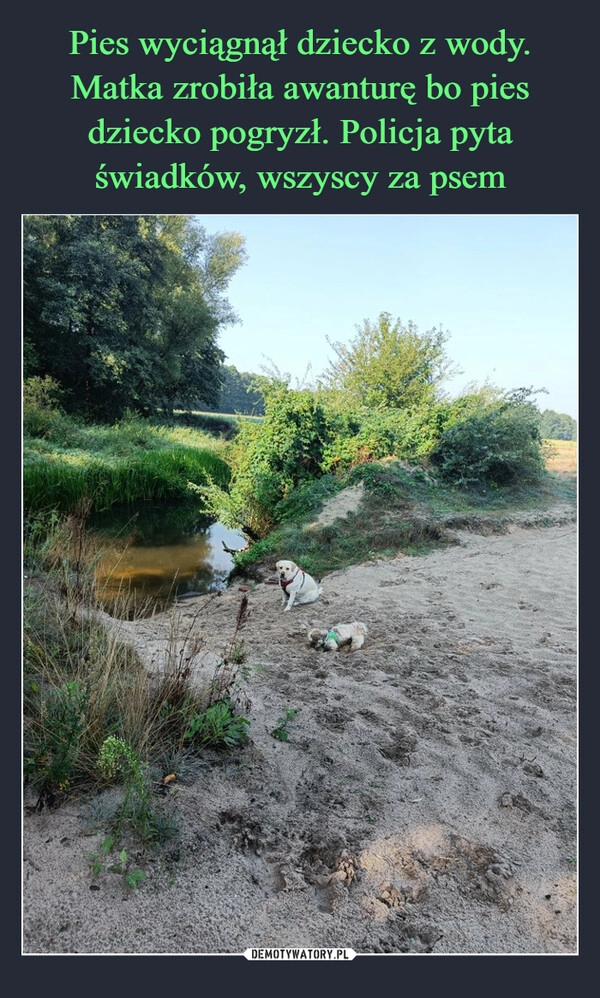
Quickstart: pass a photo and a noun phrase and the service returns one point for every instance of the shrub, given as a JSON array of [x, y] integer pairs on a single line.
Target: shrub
[[271, 459], [403, 433], [482, 438], [42, 410], [498, 445]]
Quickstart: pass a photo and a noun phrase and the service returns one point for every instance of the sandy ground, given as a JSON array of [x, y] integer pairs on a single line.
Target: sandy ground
[[425, 802]]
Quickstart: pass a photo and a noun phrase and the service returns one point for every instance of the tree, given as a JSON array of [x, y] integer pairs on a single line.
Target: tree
[[199, 268], [124, 311], [84, 301], [558, 426], [238, 394], [388, 365]]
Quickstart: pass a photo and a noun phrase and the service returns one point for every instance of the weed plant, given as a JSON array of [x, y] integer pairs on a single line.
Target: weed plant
[[133, 877], [117, 756], [281, 732], [84, 690], [217, 725]]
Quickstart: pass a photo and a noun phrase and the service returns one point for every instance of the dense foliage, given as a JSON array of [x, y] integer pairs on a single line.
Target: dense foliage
[[498, 444], [123, 311], [67, 461], [485, 439], [390, 365], [271, 458], [557, 426], [238, 394]]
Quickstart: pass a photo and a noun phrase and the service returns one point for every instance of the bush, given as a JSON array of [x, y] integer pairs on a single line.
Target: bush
[[499, 445], [305, 436], [403, 433], [42, 410], [481, 438], [272, 459]]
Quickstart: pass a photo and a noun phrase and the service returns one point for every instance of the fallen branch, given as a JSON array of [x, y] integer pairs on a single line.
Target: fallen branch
[[234, 550]]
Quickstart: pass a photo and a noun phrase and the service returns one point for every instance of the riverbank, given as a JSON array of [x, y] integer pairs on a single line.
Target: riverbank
[[425, 801]]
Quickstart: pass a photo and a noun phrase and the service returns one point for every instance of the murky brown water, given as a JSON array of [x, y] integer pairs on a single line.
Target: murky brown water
[[156, 572]]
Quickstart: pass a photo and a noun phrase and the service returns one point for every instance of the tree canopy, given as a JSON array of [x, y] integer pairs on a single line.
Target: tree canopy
[[124, 311], [390, 365], [239, 394], [558, 425]]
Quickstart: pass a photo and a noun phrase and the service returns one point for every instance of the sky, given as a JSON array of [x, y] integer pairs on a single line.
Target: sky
[[504, 287]]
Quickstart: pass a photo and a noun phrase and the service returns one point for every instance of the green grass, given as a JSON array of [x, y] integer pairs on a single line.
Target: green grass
[[132, 461], [60, 480]]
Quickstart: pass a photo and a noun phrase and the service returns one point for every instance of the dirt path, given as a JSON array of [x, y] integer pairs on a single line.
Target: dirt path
[[425, 801]]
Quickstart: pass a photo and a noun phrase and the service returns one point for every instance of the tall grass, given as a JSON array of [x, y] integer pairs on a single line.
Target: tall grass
[[134, 460], [60, 480], [82, 685]]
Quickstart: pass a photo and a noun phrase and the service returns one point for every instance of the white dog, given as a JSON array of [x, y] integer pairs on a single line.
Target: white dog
[[297, 586], [353, 635]]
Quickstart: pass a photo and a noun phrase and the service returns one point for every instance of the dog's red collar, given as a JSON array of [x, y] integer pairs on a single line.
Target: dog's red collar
[[284, 583]]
